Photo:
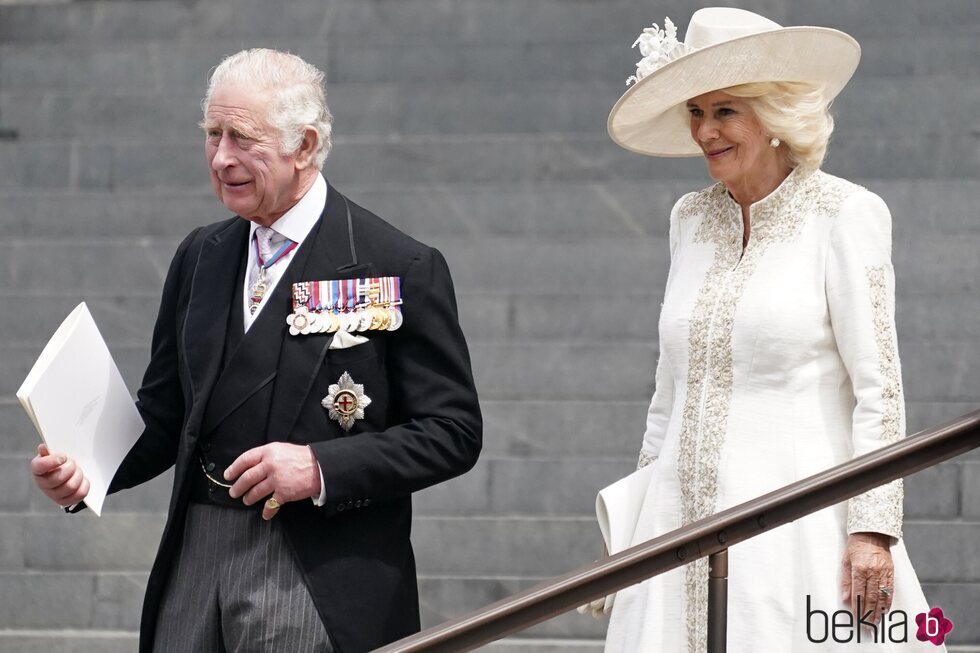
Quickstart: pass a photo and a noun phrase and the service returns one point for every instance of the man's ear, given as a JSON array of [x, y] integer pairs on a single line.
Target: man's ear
[[306, 154]]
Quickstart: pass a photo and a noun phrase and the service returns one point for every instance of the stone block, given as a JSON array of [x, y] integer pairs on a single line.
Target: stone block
[[918, 206], [562, 486], [915, 317], [121, 319], [959, 271], [17, 435], [71, 600], [547, 265], [938, 52], [922, 415], [118, 214], [854, 152], [103, 66], [113, 542], [934, 493], [579, 316], [68, 641], [959, 602], [970, 489], [16, 485], [468, 494], [11, 549], [488, 546], [484, 316], [33, 165], [938, 372], [426, 62], [563, 371], [97, 266], [944, 551], [157, 167], [446, 597], [903, 16], [571, 427]]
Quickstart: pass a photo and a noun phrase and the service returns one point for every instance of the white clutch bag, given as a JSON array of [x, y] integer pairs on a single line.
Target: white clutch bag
[[618, 508]]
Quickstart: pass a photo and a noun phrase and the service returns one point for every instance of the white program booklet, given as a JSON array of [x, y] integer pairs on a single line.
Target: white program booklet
[[79, 403]]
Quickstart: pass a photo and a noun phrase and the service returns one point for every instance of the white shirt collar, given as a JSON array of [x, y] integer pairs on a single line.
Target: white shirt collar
[[296, 223]]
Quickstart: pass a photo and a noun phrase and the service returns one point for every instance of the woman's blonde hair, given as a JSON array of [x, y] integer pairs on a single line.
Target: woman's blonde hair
[[796, 113]]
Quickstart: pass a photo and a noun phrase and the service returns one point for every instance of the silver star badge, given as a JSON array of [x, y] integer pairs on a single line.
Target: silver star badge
[[346, 401]]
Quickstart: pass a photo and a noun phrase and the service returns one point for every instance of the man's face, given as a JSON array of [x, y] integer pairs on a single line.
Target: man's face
[[249, 174]]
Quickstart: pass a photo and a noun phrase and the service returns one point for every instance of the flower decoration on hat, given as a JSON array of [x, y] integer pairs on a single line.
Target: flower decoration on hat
[[658, 47]]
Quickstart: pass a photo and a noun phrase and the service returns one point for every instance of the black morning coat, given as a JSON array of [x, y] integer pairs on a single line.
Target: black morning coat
[[423, 425]]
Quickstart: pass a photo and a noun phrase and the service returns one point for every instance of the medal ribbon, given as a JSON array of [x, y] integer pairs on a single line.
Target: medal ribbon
[[286, 248]]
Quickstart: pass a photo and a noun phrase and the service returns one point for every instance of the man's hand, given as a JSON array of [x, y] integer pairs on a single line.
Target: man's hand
[[285, 472], [867, 568], [59, 477]]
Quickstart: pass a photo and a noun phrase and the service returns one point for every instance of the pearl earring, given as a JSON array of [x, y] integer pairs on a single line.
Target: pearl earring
[[774, 142]]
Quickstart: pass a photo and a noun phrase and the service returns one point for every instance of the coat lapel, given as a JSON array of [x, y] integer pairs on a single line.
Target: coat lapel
[[214, 288]]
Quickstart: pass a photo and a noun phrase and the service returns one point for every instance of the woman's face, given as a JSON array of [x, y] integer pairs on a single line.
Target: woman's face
[[733, 141]]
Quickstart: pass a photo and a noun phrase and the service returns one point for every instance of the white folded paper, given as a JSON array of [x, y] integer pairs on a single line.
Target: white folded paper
[[79, 403]]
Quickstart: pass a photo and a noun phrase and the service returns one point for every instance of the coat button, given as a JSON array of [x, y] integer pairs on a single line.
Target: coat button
[[357, 504], [206, 446], [210, 467], [367, 502], [341, 508]]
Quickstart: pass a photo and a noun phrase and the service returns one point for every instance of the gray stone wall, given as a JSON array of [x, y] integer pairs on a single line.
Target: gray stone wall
[[477, 126]]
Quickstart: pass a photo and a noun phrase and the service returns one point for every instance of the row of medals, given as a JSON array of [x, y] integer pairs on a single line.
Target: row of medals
[[370, 318]]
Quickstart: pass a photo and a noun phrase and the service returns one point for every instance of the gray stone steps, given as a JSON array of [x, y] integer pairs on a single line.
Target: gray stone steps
[[102, 641], [541, 524], [486, 316], [112, 602], [500, 158], [439, 21], [564, 370], [534, 264], [471, 107], [545, 429], [561, 209], [500, 487], [150, 66]]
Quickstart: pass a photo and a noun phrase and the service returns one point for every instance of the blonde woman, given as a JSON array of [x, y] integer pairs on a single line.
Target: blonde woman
[[778, 354]]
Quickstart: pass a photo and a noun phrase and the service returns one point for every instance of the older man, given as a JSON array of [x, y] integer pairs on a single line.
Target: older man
[[296, 446]]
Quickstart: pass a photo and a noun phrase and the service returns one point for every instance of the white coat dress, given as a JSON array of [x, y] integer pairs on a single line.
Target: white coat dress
[[775, 364]]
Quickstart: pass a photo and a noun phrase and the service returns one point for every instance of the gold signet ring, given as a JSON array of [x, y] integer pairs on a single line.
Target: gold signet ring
[[272, 504]]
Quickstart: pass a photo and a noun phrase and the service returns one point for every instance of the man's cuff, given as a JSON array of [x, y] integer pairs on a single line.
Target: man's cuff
[[322, 499]]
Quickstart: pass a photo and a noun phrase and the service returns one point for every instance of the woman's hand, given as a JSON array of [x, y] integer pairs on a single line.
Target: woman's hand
[[602, 606], [868, 573]]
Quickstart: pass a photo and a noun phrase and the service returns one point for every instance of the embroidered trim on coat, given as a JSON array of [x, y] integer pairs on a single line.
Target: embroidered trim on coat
[[880, 510], [704, 420], [645, 459]]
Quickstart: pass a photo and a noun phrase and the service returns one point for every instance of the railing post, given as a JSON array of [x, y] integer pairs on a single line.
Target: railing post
[[718, 602]]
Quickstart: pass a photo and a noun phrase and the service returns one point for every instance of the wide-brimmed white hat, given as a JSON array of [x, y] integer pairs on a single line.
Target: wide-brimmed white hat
[[723, 47]]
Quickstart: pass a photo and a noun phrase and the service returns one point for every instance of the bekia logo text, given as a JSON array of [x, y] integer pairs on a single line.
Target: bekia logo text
[[844, 626]]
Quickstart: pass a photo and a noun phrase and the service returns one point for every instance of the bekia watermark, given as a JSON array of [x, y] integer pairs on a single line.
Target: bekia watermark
[[844, 626]]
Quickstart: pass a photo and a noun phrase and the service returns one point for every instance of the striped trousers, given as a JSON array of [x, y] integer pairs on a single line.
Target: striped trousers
[[235, 588]]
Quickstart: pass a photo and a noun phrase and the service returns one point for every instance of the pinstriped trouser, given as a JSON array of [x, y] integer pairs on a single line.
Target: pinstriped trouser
[[235, 588]]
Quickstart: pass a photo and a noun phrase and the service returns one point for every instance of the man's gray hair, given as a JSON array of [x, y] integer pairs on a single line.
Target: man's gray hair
[[297, 95]]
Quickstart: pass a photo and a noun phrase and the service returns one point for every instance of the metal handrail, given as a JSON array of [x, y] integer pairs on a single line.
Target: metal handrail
[[696, 540]]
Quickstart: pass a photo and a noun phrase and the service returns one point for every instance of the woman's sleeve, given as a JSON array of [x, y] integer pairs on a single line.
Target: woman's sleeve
[[658, 415], [861, 297]]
